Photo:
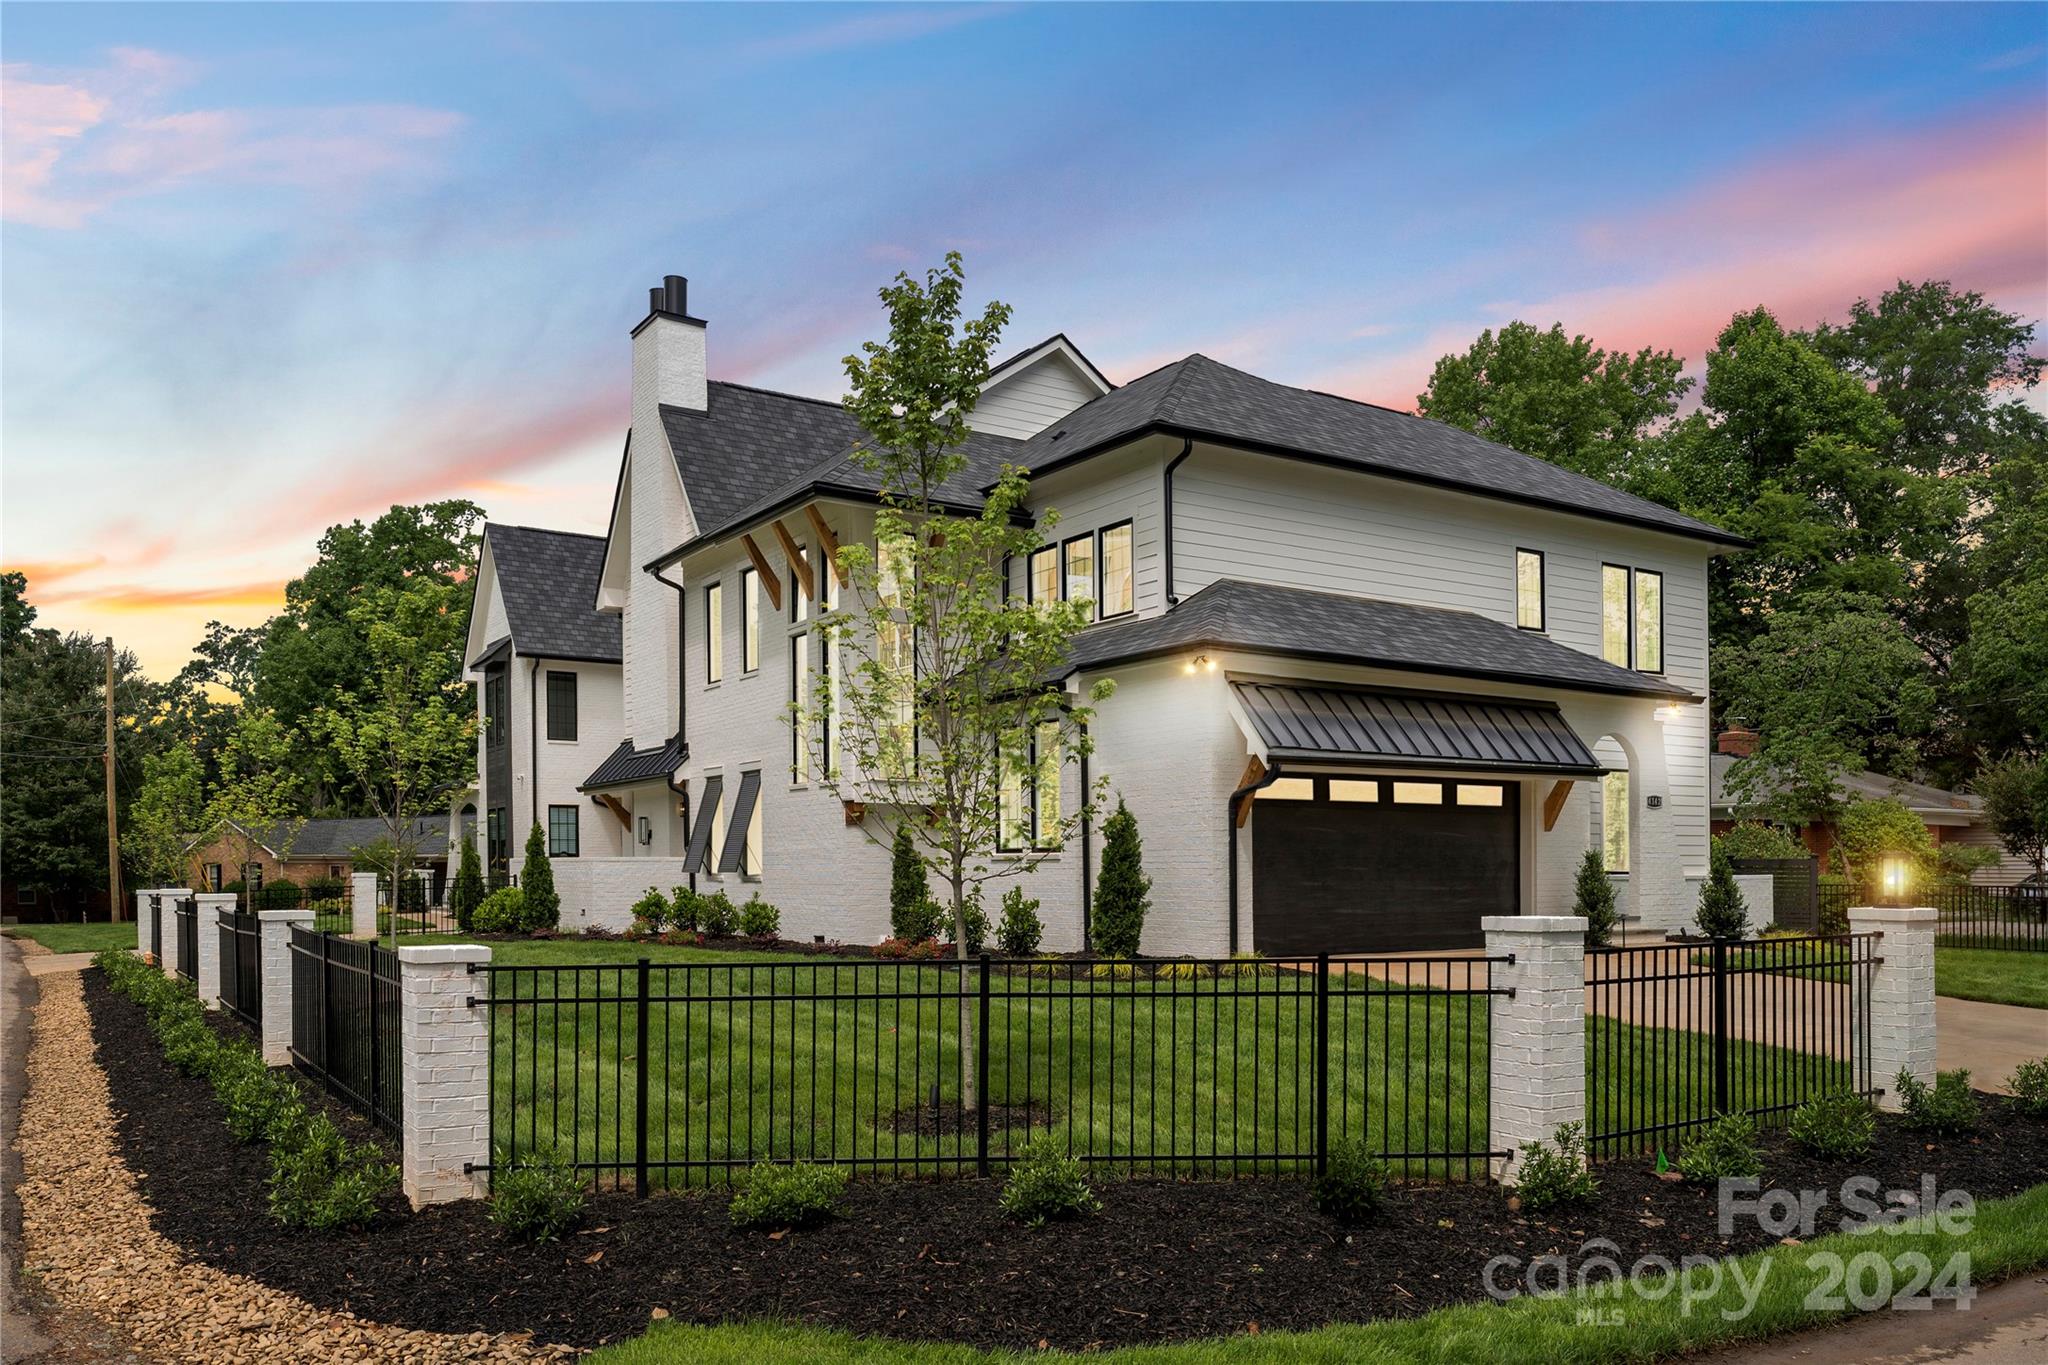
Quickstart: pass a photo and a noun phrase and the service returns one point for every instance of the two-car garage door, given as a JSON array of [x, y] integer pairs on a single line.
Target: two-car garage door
[[1381, 864]]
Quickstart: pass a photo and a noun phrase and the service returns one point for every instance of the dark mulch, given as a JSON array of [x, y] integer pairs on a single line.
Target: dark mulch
[[936, 1260], [948, 1120]]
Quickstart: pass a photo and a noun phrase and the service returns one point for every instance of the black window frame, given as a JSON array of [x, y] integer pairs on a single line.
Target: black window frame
[[497, 847], [1628, 592], [1052, 548], [575, 822], [212, 873], [1102, 612], [497, 698], [558, 676], [799, 640], [1634, 639], [1094, 572], [750, 594], [1542, 589], [714, 622], [1029, 796]]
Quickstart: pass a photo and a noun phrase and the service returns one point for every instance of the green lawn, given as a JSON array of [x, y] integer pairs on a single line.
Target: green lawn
[[2006, 978], [77, 938], [778, 1057], [2008, 1237]]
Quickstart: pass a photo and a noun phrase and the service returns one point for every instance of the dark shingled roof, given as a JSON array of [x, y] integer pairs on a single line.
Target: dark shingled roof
[[1328, 723], [627, 764], [748, 442], [1207, 400], [548, 579], [339, 838], [1262, 617]]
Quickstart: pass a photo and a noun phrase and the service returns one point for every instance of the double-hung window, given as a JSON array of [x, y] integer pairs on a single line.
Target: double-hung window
[[1529, 589], [1614, 614], [714, 632], [1077, 563], [750, 621], [1042, 582], [563, 839], [561, 705], [1116, 596]]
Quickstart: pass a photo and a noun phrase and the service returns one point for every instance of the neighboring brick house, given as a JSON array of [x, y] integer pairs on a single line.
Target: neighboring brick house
[[1377, 676], [317, 850], [1950, 817]]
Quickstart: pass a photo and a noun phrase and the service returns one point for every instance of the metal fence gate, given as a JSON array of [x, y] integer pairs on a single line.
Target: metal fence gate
[[1795, 891]]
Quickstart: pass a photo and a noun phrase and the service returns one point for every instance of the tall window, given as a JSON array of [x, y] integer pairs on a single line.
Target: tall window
[[562, 832], [799, 594], [828, 737], [750, 856], [1529, 589], [495, 694], [750, 621], [1614, 614], [895, 652], [891, 558], [496, 850], [1042, 584], [1614, 821], [213, 882], [1117, 595], [561, 705], [1649, 621], [717, 837], [714, 632], [1077, 559], [1029, 800], [799, 706]]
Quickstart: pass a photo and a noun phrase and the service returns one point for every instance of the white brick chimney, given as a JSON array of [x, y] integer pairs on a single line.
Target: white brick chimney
[[668, 353]]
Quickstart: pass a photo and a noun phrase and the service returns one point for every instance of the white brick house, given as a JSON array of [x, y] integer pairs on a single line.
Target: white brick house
[[1393, 676]]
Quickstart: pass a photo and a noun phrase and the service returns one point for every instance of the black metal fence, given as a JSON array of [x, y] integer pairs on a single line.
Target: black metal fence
[[2002, 918], [345, 1022], [241, 967], [185, 918], [1795, 892], [156, 928], [1677, 1034], [678, 1074]]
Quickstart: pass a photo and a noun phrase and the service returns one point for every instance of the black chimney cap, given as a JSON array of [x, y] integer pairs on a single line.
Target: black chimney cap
[[670, 298]]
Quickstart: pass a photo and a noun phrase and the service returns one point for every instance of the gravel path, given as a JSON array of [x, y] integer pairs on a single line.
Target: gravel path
[[86, 1233]]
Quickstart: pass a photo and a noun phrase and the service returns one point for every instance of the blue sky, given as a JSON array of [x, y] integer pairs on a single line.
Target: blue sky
[[269, 267]]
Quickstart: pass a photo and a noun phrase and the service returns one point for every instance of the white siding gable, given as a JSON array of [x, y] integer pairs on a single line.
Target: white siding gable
[[1026, 400]]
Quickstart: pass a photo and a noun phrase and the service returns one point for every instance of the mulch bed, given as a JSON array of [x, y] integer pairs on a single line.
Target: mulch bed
[[950, 1120], [936, 1260]]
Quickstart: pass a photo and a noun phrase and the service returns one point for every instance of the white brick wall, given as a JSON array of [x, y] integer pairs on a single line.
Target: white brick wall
[[275, 964], [1538, 1053], [598, 893], [1902, 1015], [210, 904], [362, 903], [444, 1046]]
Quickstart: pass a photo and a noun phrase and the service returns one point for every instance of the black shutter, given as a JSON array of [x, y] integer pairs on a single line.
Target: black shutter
[[736, 823], [700, 833]]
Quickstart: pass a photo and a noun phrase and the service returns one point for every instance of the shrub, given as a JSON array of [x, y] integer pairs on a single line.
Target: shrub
[[1018, 933], [717, 915], [976, 920], [536, 1198], [1722, 912], [1948, 1107], [542, 908], [1753, 840], [325, 888], [686, 909], [1837, 1127], [759, 919], [650, 912], [502, 912], [1724, 1149], [468, 891], [260, 1107], [1558, 1174], [1353, 1184], [282, 894], [319, 1179], [1180, 971], [2029, 1086], [799, 1195], [1122, 890], [1593, 899], [913, 914], [1045, 1184]]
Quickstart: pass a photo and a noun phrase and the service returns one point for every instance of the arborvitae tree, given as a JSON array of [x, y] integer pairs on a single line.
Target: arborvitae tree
[[1120, 895], [913, 915], [468, 892], [1593, 900], [1723, 914], [537, 880]]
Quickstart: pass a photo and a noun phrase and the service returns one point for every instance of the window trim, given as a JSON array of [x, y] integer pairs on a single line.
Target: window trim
[[750, 621], [575, 704], [1094, 572], [1635, 614], [1542, 590], [575, 814], [799, 701], [1029, 787], [1031, 572], [1628, 622], [1102, 564], [714, 626]]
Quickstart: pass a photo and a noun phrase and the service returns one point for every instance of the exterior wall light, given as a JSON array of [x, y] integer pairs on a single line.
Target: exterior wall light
[[1892, 877], [1201, 663]]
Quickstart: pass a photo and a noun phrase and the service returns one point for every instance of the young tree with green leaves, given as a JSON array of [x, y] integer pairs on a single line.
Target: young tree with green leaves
[[1593, 899], [537, 880], [406, 737], [1866, 831], [167, 815], [913, 915], [1123, 891], [2015, 793], [1722, 913], [256, 804], [947, 692]]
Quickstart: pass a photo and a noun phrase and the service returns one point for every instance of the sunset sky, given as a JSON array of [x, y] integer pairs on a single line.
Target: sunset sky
[[265, 268]]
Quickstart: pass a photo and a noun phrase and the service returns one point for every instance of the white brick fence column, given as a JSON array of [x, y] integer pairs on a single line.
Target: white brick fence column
[[1538, 1035], [142, 920], [274, 962], [362, 903], [210, 905], [1901, 994], [444, 1048]]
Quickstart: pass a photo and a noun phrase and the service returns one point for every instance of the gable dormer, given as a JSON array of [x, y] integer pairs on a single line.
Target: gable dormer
[[1036, 387]]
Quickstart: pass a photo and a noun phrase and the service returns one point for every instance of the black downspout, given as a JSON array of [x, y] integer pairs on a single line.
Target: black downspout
[[1187, 447], [533, 739], [1087, 836], [1237, 800], [682, 593]]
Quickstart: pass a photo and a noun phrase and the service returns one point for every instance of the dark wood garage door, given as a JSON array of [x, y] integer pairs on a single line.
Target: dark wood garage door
[[1367, 865]]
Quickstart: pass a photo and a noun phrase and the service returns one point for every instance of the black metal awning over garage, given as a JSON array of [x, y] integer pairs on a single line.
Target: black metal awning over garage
[[1299, 722]]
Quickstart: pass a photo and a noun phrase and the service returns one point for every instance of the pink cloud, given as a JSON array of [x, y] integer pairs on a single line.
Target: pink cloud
[[1804, 236], [76, 143]]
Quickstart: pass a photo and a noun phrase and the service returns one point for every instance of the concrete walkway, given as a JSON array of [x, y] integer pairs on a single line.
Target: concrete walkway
[[2007, 1325], [1988, 1039]]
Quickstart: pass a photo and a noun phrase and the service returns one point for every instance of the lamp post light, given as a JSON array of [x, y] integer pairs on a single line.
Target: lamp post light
[[1892, 878]]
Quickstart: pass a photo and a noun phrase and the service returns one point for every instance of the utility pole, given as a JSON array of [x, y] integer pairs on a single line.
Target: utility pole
[[114, 907]]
